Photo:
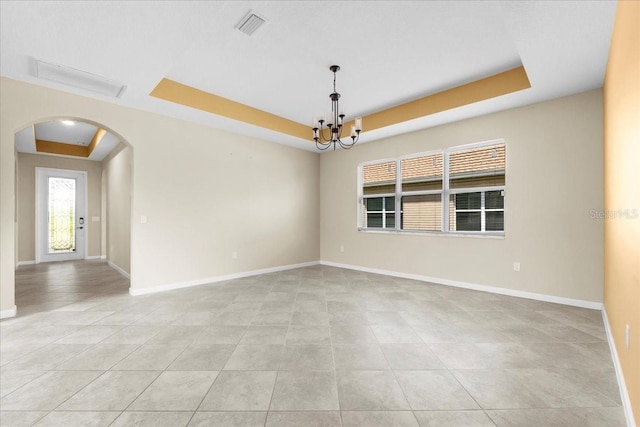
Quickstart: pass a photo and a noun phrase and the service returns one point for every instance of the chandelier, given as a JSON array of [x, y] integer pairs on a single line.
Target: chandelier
[[332, 123]]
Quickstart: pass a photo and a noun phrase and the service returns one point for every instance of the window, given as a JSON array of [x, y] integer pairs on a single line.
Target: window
[[459, 189], [476, 188], [422, 187], [381, 212], [379, 198], [480, 211]]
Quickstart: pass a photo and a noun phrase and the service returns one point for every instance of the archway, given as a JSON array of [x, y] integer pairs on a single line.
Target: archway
[[76, 144]]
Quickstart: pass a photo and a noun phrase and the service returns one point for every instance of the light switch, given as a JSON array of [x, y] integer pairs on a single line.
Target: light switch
[[143, 219]]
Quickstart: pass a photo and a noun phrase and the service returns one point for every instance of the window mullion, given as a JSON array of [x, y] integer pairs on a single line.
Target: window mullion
[[398, 194], [445, 191], [361, 211], [483, 222], [384, 213]]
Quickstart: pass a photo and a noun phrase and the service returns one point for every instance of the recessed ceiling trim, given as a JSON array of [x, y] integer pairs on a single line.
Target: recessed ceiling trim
[[179, 93], [61, 148], [52, 147], [95, 140], [499, 84], [509, 81], [79, 79]]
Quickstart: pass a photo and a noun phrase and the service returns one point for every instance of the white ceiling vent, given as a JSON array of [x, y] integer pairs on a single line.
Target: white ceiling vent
[[79, 79], [250, 23]]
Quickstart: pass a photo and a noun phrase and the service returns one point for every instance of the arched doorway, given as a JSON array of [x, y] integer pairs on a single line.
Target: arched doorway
[[57, 221]]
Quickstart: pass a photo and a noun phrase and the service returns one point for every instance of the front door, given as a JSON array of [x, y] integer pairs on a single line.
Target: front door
[[60, 215]]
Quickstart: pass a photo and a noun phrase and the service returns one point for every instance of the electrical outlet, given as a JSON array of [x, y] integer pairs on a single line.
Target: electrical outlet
[[234, 255], [516, 266], [342, 248], [627, 336]]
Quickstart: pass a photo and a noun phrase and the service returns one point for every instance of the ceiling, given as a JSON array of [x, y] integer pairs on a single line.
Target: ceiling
[[75, 138], [390, 53]]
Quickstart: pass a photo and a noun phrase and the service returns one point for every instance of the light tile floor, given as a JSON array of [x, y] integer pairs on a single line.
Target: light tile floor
[[316, 346]]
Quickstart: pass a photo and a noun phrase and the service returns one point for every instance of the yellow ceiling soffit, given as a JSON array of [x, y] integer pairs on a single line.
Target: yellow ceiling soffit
[[95, 140], [489, 87], [52, 147], [179, 93]]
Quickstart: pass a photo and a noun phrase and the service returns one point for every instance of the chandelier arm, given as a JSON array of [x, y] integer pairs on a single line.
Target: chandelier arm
[[322, 146], [346, 145], [322, 137]]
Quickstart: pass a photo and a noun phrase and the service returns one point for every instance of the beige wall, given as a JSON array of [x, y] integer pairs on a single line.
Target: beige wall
[[27, 164], [117, 200], [206, 192], [554, 167], [622, 192]]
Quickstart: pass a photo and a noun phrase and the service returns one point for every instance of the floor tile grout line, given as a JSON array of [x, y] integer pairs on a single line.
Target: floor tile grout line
[[470, 395], [204, 396], [404, 394], [160, 372], [335, 368], [23, 385], [80, 389], [280, 361], [53, 369]]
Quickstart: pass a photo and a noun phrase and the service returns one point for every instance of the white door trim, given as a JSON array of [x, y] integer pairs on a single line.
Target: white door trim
[[39, 231]]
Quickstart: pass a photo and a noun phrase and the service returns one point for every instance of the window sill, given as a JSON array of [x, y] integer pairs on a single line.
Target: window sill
[[494, 235]]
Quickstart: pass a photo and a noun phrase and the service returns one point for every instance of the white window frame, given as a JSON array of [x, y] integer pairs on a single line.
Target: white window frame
[[384, 210], [482, 210], [401, 193], [445, 193]]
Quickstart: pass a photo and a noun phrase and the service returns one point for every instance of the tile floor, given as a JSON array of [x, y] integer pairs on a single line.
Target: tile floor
[[316, 346]]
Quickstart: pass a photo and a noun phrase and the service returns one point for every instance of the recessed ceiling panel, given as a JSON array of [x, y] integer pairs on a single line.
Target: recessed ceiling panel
[[79, 133], [79, 140], [108, 142]]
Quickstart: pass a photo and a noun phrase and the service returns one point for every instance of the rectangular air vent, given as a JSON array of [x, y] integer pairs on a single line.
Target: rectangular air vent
[[250, 23], [78, 79]]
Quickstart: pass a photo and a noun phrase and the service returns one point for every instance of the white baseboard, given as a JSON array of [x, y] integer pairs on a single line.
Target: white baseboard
[[624, 394], [119, 270], [21, 263], [503, 291], [180, 285], [103, 257], [92, 257], [4, 314]]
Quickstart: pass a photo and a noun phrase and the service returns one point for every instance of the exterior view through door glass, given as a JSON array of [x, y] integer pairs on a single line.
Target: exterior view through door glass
[[60, 213]]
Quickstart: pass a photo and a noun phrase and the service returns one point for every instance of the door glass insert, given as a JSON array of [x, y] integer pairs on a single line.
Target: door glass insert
[[62, 212]]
